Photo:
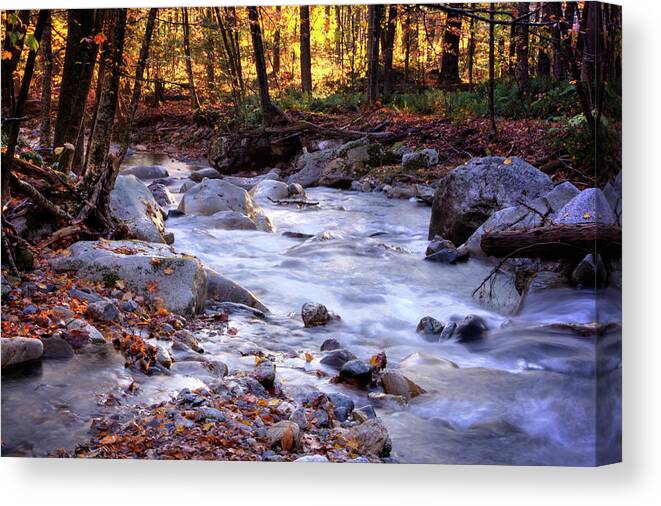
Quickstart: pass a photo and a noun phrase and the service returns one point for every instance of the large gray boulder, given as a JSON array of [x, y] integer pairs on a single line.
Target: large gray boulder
[[222, 220], [180, 281], [472, 192], [20, 350], [222, 289], [589, 206], [146, 171], [132, 202], [213, 195], [310, 167], [535, 214]]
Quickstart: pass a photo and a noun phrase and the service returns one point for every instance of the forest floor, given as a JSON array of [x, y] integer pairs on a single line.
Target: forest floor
[[171, 129]]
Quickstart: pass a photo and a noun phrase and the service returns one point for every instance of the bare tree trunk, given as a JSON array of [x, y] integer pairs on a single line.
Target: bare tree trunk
[[19, 27], [522, 36], [15, 126], [555, 13], [374, 14], [194, 102], [543, 58], [449, 74], [100, 144], [83, 25], [276, 42], [471, 53], [137, 83], [492, 64], [46, 48], [306, 60], [268, 110], [388, 51]]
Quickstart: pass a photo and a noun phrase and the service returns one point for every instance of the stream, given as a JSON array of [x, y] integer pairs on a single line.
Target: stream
[[523, 395]]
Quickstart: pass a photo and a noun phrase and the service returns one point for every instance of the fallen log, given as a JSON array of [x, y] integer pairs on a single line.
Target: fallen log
[[555, 241]]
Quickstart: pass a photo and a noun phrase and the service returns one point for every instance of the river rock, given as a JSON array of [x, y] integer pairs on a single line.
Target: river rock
[[132, 203], [206, 172], [448, 331], [429, 326], [337, 358], [471, 328], [213, 195], [56, 347], [395, 383], [470, 193], [161, 194], [296, 191], [180, 281], [356, 372], [187, 338], [419, 159], [270, 190], [223, 289], [80, 326], [145, 171], [330, 345], [402, 191], [590, 272], [187, 185], [265, 373], [312, 458], [20, 350], [298, 417], [263, 222], [103, 311], [314, 314], [387, 401], [163, 355], [370, 438], [589, 206], [444, 251], [363, 413], [365, 156], [343, 405], [284, 434], [310, 167]]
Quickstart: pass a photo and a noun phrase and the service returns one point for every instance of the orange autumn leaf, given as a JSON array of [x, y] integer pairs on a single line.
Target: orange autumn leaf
[[99, 38]]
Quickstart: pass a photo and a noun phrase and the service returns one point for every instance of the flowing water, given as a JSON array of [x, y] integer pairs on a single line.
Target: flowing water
[[524, 395]]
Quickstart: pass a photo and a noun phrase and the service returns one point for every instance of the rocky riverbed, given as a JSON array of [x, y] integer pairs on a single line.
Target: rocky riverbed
[[322, 334]]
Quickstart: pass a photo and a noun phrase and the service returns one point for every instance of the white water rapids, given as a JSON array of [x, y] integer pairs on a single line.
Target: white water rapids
[[520, 396]]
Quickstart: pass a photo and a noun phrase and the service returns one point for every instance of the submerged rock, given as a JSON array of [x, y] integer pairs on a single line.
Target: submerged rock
[[469, 194], [20, 350], [429, 326], [471, 328], [56, 347], [337, 358], [314, 314], [444, 251], [330, 345], [395, 383], [222, 289]]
